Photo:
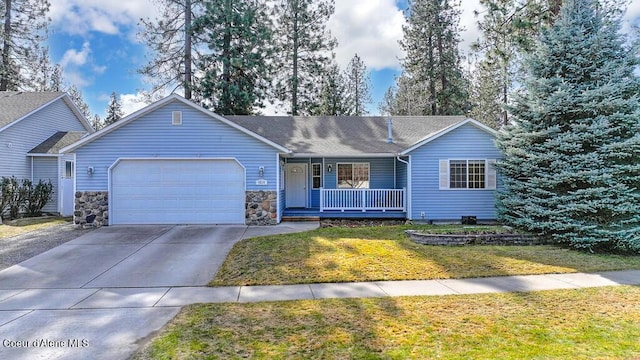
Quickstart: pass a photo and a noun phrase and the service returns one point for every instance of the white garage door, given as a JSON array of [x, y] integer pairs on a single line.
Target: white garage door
[[177, 191]]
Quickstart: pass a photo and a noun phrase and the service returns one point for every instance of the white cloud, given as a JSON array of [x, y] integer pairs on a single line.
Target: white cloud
[[74, 57], [469, 23], [372, 29], [369, 28], [76, 78], [132, 102], [78, 17]]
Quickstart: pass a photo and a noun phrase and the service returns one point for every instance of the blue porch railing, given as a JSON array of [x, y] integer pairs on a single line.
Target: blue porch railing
[[363, 199]]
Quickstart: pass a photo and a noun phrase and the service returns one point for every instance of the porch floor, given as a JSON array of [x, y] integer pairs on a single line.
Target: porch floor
[[347, 214]]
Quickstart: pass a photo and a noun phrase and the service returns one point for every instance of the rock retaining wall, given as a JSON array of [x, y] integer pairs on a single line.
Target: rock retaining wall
[[261, 208], [92, 203], [475, 239]]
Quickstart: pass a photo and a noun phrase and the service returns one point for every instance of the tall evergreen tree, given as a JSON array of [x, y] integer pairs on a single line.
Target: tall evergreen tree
[[487, 96], [571, 168], [508, 29], [114, 110], [303, 48], [175, 49], [358, 86], [22, 35], [76, 95], [387, 106], [432, 66], [333, 94], [236, 71]]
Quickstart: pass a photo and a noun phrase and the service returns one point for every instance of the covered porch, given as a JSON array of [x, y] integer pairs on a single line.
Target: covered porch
[[354, 187]]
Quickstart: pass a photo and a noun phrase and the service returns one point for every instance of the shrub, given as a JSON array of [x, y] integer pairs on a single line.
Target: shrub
[[38, 196], [17, 196]]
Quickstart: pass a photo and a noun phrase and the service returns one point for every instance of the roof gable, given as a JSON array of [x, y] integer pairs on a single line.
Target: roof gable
[[18, 105], [157, 105], [449, 129]]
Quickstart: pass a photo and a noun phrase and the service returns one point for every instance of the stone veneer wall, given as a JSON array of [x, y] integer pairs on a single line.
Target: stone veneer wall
[[261, 208], [92, 203]]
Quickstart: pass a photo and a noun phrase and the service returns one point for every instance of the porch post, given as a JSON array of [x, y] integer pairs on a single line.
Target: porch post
[[322, 198], [404, 199]]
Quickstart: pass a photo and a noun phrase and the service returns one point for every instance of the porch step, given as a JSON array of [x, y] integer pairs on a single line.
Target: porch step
[[301, 218]]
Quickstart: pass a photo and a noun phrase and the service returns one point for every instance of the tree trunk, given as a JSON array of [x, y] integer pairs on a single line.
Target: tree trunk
[[294, 76], [432, 81], [6, 48], [187, 49], [225, 98], [444, 82]]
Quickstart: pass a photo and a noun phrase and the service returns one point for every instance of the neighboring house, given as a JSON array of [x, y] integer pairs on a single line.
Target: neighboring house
[[34, 126], [175, 162]]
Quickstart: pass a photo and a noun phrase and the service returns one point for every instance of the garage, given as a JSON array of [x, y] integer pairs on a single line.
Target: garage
[[177, 191]]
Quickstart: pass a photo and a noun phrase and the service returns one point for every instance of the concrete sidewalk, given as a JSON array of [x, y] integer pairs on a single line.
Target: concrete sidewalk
[[16, 303], [103, 294]]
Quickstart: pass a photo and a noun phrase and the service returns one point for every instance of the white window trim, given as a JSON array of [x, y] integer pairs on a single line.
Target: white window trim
[[176, 118], [68, 175], [490, 177], [313, 176], [354, 163]]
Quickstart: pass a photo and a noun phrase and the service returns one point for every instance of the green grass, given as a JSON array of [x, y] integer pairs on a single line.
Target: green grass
[[22, 226], [596, 323], [385, 253]]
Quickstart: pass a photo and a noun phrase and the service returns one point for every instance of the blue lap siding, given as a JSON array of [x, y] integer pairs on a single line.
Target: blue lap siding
[[465, 142], [153, 136]]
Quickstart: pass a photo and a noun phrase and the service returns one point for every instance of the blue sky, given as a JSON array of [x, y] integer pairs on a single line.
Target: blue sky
[[96, 42]]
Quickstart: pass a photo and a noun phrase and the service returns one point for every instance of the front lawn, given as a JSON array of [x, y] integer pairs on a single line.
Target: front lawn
[[22, 226], [595, 323], [384, 253]]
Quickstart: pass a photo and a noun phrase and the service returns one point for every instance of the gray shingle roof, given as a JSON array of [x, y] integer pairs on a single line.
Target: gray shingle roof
[[16, 104], [57, 141], [327, 135]]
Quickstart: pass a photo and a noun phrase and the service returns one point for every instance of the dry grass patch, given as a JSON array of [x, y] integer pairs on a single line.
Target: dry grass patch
[[384, 253], [561, 324], [22, 226]]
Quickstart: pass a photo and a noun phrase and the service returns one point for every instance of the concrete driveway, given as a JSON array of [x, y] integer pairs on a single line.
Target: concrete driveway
[[99, 296]]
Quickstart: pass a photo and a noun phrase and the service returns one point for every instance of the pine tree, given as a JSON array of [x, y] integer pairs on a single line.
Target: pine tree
[[387, 105], [22, 34], [96, 122], [432, 66], [114, 110], [487, 96], [358, 84], [333, 94], [76, 95], [571, 168], [508, 29], [175, 49], [303, 48], [236, 72], [45, 76]]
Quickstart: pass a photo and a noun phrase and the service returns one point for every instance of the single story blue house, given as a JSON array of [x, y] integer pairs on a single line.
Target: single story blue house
[[175, 162], [34, 126]]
